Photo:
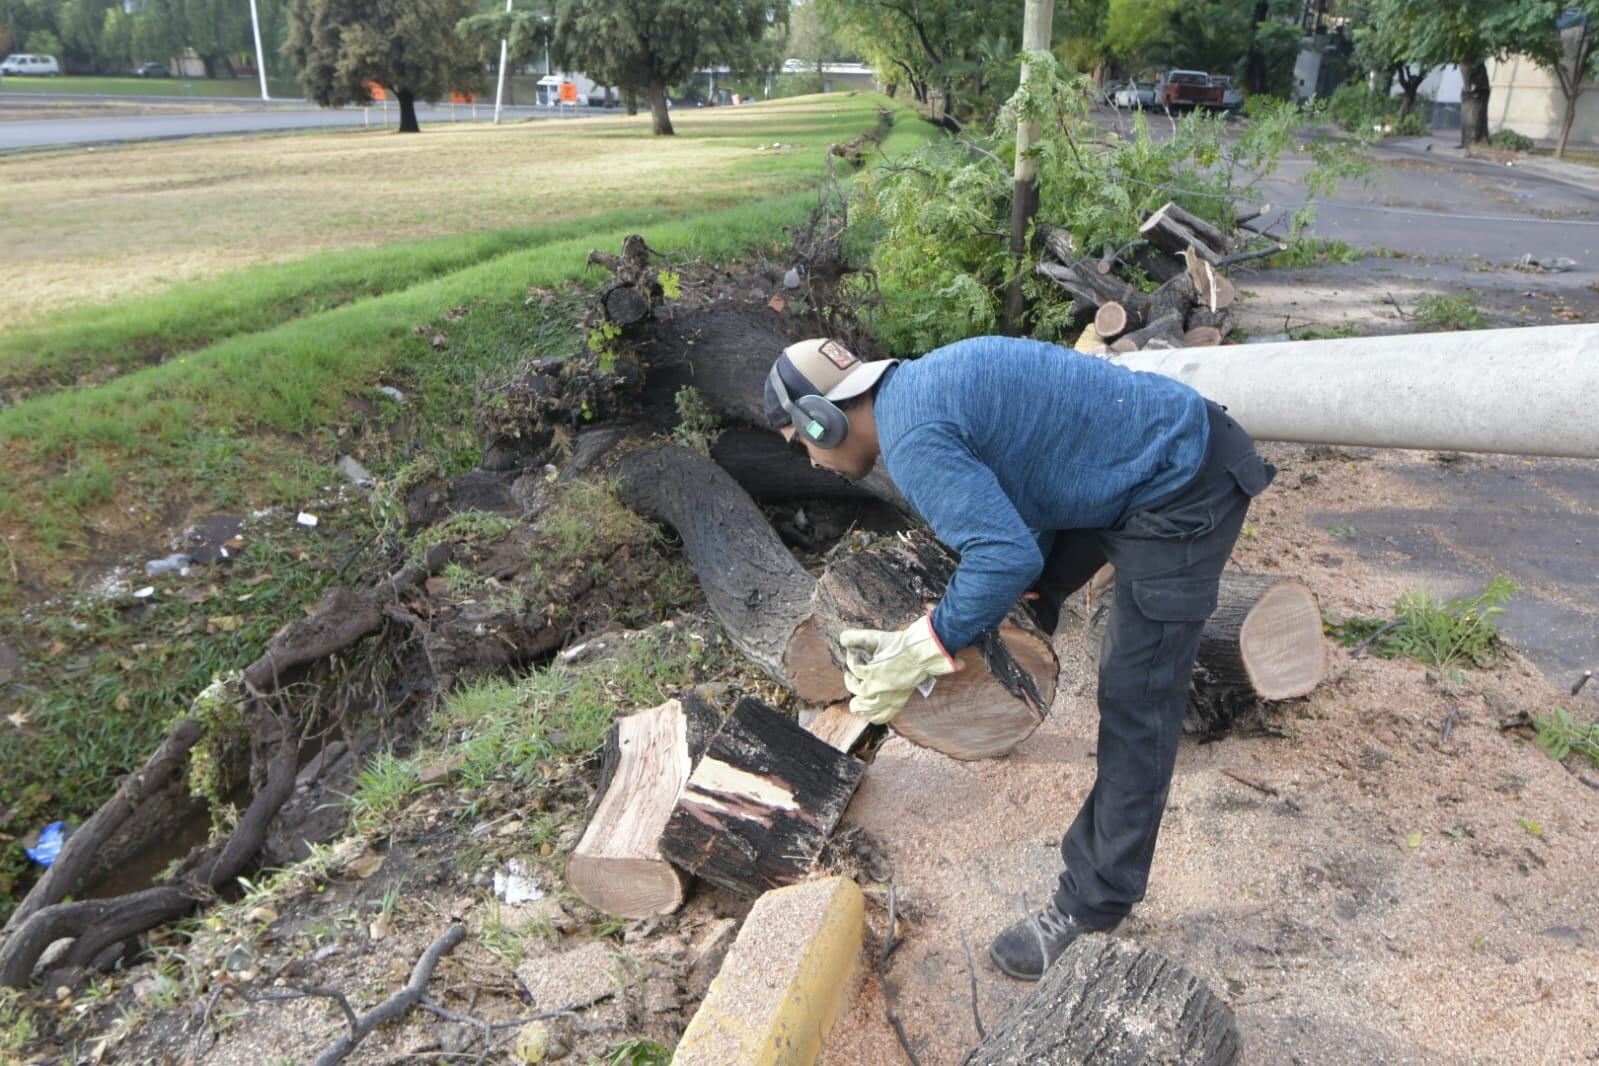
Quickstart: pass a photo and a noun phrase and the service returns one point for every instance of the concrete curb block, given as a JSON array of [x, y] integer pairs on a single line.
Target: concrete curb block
[[784, 980]]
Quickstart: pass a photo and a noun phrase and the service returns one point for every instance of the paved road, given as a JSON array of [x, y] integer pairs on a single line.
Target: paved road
[[242, 119]]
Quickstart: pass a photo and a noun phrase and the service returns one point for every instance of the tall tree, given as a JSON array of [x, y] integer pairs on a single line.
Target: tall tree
[[409, 47], [647, 45], [1562, 36], [1432, 33]]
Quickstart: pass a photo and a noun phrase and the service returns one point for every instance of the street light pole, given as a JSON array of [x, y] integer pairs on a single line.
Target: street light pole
[[499, 90], [260, 58]]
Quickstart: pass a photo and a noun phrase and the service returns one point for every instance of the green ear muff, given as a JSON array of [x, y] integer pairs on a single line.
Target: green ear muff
[[820, 419]]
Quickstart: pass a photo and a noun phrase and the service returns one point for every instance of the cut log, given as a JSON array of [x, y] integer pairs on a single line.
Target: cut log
[[838, 727], [1115, 318], [1221, 321], [1009, 676], [1166, 331], [1057, 242], [617, 866], [1202, 337], [1175, 230], [1122, 345], [1263, 643], [761, 804], [624, 305], [1113, 1003]]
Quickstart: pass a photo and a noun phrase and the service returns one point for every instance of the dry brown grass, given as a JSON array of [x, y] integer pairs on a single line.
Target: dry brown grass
[[91, 227]]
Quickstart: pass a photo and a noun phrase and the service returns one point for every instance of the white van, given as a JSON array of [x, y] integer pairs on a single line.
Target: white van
[[41, 66]]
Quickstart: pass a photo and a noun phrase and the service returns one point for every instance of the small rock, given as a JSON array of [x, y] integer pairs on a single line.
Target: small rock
[[239, 959], [382, 926], [454, 1037], [144, 593], [532, 1043], [791, 279], [327, 951], [168, 565]]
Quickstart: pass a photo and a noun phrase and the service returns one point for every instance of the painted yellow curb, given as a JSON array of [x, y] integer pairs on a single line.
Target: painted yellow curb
[[781, 987]]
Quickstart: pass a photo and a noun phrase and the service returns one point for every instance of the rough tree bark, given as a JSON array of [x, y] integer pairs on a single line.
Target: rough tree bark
[[1474, 91], [1113, 1003], [660, 115], [408, 123]]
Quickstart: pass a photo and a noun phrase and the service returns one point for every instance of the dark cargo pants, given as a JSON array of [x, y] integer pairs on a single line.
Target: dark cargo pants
[[1169, 557]]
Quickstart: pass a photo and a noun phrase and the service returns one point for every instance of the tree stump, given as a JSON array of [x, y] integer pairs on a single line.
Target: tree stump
[[617, 865], [1111, 1002], [981, 712], [760, 805], [1263, 643]]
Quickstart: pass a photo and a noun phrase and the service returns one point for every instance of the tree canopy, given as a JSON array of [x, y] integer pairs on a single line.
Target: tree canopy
[[107, 36], [646, 46], [409, 47], [1562, 36]]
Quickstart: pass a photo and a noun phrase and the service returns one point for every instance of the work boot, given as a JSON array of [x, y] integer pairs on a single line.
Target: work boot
[[1028, 947]]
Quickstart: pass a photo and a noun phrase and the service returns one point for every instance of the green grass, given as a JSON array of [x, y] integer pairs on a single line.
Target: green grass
[[1315, 251], [1436, 633], [246, 88], [1436, 313]]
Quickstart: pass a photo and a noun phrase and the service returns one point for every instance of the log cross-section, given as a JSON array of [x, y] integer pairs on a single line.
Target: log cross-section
[[761, 804], [617, 865], [1114, 1003]]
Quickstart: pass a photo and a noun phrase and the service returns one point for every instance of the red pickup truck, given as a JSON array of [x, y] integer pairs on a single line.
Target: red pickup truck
[[1187, 88]]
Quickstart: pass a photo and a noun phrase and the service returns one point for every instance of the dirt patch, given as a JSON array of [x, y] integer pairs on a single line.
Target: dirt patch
[[1402, 897]]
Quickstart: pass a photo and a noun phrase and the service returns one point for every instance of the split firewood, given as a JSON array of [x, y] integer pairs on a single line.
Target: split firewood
[[982, 711], [1263, 643], [760, 805], [1115, 318], [617, 865], [1089, 341], [1110, 1000], [838, 727], [1212, 288]]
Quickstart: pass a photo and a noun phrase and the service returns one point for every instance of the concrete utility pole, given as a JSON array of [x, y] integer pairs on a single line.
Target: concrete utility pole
[[1037, 26], [1509, 391], [499, 90], [260, 58]]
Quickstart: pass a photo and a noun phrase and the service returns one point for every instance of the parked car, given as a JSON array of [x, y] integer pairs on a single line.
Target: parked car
[[1135, 94], [1231, 99], [1186, 88], [152, 70], [24, 65]]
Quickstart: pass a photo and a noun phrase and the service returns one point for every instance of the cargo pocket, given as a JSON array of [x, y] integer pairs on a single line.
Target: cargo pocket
[[1180, 606], [1253, 474]]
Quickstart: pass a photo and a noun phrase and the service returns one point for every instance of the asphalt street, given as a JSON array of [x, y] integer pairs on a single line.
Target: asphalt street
[[223, 117]]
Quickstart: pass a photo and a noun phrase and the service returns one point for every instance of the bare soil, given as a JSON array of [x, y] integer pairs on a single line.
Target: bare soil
[[1397, 896]]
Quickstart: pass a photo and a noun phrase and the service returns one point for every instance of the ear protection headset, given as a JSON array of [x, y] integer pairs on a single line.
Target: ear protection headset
[[821, 421]]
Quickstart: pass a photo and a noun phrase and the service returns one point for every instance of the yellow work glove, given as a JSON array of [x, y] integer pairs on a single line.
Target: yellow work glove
[[884, 667]]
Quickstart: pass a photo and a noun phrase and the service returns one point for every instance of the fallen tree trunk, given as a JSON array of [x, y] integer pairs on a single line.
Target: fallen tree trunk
[[766, 467], [760, 805], [1114, 319], [1163, 332], [1263, 643], [982, 711], [759, 593], [1113, 1003], [617, 866]]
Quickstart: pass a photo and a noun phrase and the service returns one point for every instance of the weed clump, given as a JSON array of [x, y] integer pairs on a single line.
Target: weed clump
[[1460, 631], [1436, 313]]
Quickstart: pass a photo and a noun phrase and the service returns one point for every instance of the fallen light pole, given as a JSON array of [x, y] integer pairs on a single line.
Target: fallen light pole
[[1528, 391]]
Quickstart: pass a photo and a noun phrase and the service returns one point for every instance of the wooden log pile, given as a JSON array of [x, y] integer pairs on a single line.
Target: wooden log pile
[[1184, 253]]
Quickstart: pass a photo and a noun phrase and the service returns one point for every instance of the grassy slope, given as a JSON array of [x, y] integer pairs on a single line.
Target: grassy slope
[[129, 223], [248, 421]]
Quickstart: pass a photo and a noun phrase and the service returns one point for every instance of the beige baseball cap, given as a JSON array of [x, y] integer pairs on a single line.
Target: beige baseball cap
[[820, 367]]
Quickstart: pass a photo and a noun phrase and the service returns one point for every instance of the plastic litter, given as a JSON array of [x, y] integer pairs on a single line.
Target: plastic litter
[[306, 519], [517, 885], [51, 838], [392, 393], [168, 565]]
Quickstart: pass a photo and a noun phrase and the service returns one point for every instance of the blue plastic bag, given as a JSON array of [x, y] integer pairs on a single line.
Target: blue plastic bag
[[51, 837]]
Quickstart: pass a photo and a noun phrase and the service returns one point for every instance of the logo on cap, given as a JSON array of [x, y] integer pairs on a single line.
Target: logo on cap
[[837, 354]]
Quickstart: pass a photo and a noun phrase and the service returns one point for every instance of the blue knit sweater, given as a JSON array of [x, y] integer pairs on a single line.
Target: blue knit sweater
[[999, 442]]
